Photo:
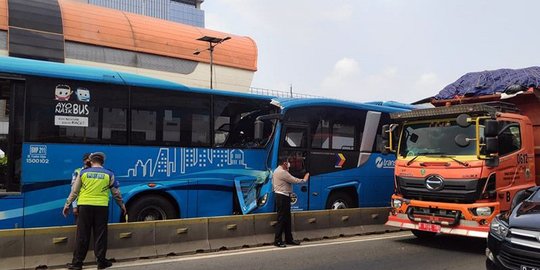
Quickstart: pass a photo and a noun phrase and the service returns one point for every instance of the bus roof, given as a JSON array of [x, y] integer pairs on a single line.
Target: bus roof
[[287, 103], [21, 66]]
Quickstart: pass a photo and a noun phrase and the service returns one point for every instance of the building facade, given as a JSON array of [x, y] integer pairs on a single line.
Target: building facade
[[182, 11]]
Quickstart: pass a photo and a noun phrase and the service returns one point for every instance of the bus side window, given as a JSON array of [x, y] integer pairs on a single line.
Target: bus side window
[[161, 117]]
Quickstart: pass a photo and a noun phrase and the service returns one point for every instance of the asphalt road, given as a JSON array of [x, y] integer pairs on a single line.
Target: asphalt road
[[386, 251]]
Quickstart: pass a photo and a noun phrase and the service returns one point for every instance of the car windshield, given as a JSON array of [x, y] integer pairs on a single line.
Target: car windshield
[[436, 138]]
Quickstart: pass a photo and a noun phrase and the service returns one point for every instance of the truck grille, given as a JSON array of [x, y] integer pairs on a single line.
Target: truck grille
[[459, 191]]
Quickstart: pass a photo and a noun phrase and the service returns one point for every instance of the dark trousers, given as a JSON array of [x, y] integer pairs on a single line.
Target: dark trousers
[[91, 219], [283, 208]]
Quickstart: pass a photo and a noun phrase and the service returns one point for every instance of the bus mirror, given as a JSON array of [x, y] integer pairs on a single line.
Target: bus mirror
[[385, 134], [386, 147], [463, 120], [491, 128], [461, 140], [259, 128], [492, 145], [492, 162]]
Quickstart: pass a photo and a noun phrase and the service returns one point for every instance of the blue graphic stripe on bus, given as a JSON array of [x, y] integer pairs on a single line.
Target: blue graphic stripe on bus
[[43, 185]]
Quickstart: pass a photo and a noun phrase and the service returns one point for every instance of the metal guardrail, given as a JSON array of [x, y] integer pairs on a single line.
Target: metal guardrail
[[30, 248], [279, 93]]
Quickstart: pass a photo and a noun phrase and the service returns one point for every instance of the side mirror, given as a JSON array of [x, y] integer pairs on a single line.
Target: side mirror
[[491, 128], [492, 145], [463, 120], [259, 130], [461, 140], [492, 162], [414, 138], [385, 132]]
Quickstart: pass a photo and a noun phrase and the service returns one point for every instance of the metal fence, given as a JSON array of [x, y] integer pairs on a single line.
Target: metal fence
[[278, 93]]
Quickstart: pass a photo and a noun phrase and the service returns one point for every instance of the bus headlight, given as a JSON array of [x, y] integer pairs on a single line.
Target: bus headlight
[[396, 203], [483, 211], [498, 228], [263, 199]]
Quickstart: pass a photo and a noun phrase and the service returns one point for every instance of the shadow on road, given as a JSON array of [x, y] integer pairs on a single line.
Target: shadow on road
[[450, 242]]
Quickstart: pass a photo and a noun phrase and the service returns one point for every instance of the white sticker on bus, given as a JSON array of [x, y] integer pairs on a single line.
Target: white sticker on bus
[[70, 121]]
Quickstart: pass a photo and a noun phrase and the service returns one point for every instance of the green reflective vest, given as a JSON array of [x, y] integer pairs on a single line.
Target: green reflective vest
[[95, 187]]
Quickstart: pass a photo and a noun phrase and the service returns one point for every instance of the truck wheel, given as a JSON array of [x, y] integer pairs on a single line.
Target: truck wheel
[[152, 207], [423, 234], [340, 200]]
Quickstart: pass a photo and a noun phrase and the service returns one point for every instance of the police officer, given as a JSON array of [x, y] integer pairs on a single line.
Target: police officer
[[76, 173], [282, 182], [91, 188]]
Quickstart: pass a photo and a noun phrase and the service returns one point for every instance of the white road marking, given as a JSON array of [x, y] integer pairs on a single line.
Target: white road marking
[[258, 250]]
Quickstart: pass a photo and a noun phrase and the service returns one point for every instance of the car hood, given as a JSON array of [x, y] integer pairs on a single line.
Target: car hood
[[525, 216]]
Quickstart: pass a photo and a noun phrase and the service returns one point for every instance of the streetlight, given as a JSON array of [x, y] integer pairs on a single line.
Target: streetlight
[[212, 42]]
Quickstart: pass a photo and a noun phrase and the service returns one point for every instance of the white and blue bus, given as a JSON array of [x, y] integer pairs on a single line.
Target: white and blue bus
[[178, 152]]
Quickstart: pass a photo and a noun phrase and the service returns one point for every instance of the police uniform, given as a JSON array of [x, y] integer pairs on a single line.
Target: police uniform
[[91, 189]]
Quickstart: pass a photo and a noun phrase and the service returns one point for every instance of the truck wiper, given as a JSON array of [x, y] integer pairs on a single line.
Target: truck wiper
[[415, 157], [465, 164]]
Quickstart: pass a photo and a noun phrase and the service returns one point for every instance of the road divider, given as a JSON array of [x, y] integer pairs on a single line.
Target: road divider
[[30, 248]]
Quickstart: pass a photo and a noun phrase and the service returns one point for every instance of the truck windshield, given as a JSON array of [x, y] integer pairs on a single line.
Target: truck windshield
[[435, 138]]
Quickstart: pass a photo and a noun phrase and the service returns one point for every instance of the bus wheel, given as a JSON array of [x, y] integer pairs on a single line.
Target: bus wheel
[[340, 200], [152, 207], [423, 234]]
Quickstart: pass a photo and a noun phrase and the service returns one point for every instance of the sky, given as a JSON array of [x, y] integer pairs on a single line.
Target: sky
[[367, 50]]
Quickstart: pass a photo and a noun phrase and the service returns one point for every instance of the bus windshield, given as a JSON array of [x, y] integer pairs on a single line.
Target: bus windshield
[[435, 138], [236, 121]]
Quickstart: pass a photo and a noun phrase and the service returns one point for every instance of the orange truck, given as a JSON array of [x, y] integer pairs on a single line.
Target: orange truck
[[460, 163]]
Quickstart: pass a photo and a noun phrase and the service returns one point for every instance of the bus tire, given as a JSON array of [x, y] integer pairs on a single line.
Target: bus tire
[[151, 207], [423, 234], [340, 200]]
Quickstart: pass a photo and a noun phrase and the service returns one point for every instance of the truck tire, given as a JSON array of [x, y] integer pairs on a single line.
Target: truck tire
[[340, 200], [423, 234], [151, 207]]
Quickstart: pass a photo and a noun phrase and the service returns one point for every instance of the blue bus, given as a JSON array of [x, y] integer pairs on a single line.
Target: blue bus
[[178, 152]]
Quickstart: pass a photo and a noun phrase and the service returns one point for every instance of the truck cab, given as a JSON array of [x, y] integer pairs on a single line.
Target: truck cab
[[459, 165]]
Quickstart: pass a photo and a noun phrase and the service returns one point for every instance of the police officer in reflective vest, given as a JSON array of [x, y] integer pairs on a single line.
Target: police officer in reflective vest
[[91, 188]]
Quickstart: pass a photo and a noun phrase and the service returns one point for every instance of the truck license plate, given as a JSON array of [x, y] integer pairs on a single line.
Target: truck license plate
[[430, 228], [524, 267]]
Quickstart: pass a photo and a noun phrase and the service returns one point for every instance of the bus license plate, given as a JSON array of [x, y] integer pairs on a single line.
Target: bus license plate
[[429, 227], [524, 267]]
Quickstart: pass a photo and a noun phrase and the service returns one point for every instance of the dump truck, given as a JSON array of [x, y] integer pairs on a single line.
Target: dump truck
[[460, 163]]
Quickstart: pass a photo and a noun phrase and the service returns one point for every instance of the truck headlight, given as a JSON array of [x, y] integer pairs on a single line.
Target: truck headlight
[[498, 228], [483, 211], [263, 199], [396, 203]]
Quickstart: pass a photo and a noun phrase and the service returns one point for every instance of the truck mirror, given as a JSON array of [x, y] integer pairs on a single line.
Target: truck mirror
[[492, 145], [492, 162], [259, 128], [491, 128], [413, 138], [461, 140], [385, 132], [463, 120]]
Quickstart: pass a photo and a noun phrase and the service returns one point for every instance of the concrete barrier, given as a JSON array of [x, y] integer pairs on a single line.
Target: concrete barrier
[[231, 232], [265, 227], [54, 246], [311, 225], [347, 222], [181, 236], [132, 240], [12, 249], [49, 246]]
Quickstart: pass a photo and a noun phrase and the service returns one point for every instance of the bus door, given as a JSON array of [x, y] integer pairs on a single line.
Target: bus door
[[11, 120], [295, 146]]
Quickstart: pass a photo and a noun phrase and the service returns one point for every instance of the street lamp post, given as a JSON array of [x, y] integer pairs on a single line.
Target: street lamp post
[[212, 42]]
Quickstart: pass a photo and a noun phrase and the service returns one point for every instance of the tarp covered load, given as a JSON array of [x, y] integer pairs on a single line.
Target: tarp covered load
[[492, 82]]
